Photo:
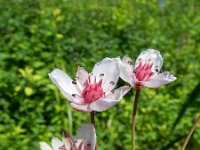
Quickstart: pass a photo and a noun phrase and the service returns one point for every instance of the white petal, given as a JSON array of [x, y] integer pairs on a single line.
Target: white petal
[[67, 140], [110, 100], [160, 79], [81, 75], [56, 143], [87, 133], [82, 108], [108, 70], [150, 56], [64, 83], [126, 69], [44, 146]]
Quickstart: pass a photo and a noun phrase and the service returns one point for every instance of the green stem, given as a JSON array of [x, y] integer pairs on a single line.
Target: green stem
[[134, 117], [190, 133]]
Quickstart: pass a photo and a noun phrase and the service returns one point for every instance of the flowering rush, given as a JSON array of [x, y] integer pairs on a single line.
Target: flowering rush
[[86, 140], [91, 91], [146, 71]]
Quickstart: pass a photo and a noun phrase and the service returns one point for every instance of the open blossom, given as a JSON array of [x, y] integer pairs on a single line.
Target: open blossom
[[146, 71], [86, 140], [91, 91]]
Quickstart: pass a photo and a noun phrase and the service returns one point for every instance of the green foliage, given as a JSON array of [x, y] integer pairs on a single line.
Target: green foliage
[[38, 36]]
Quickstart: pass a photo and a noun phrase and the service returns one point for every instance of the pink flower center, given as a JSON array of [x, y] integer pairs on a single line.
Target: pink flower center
[[143, 72], [92, 91]]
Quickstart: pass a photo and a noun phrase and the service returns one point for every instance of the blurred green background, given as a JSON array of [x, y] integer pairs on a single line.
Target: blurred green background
[[37, 36]]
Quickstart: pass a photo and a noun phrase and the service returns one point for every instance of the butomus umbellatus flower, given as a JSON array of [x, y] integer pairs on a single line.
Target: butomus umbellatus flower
[[86, 140], [91, 91], [146, 70]]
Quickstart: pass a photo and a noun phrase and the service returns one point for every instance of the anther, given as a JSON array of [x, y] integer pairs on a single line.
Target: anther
[[73, 95], [62, 147], [73, 82], [112, 82], [101, 75], [157, 70], [130, 63], [113, 91], [149, 59]]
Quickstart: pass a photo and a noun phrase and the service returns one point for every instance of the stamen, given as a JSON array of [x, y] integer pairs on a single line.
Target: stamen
[[113, 91], [73, 82], [62, 147], [130, 63], [101, 75], [112, 82]]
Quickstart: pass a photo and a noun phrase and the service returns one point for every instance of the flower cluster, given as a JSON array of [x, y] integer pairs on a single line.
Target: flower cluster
[[95, 91]]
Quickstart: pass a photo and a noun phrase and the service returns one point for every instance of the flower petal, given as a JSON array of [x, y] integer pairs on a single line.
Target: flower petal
[[67, 140], [45, 146], [82, 76], [87, 133], [64, 83], [56, 143], [110, 100], [160, 79], [150, 56], [126, 69], [107, 70], [82, 145], [81, 108]]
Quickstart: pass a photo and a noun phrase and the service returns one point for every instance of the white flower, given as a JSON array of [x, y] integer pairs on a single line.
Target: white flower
[[86, 140], [94, 91], [146, 71]]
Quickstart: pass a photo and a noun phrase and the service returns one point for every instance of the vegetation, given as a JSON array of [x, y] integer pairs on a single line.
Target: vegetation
[[38, 36]]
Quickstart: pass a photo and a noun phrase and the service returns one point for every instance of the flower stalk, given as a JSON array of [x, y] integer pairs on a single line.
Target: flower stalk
[[92, 118], [134, 117], [190, 133]]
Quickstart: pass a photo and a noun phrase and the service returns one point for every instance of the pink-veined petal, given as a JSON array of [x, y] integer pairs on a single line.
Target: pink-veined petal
[[82, 76], [126, 69], [108, 70], [45, 146], [82, 145], [150, 56], [160, 79], [56, 143], [65, 85], [88, 134], [110, 100], [82, 108]]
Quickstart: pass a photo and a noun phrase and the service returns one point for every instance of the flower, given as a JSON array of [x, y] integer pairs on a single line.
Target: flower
[[146, 72], [86, 140], [91, 91]]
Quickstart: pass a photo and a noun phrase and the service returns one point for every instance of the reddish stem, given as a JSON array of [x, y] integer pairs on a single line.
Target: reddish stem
[[134, 117], [190, 133]]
